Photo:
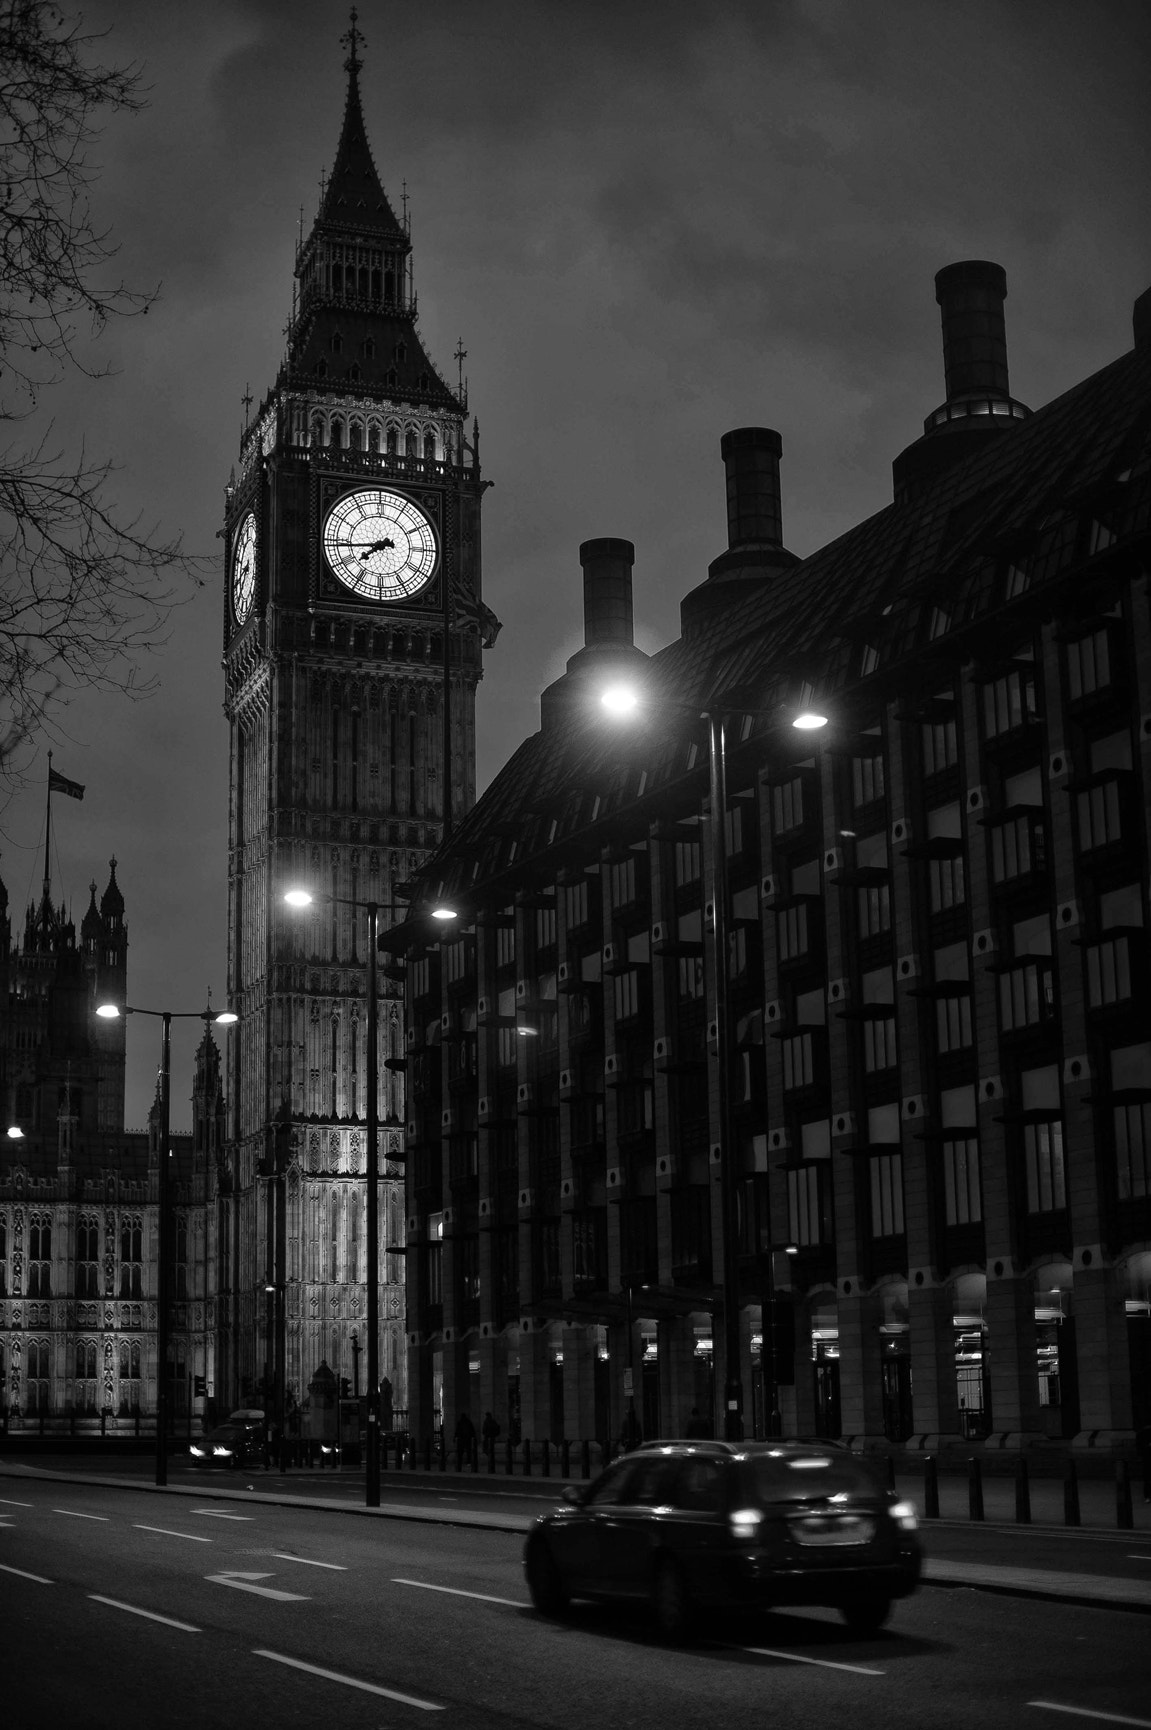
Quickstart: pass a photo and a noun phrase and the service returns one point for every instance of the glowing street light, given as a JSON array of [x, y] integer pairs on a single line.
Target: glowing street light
[[224, 1018], [622, 700], [300, 898]]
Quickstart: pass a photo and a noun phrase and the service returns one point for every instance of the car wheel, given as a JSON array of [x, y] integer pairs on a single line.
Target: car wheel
[[548, 1592], [866, 1615], [670, 1601]]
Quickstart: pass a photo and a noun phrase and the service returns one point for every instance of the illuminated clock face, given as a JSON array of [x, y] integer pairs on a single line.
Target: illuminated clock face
[[244, 569], [380, 545]]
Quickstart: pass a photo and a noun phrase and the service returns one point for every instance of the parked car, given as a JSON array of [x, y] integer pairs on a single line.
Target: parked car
[[241, 1441], [693, 1526]]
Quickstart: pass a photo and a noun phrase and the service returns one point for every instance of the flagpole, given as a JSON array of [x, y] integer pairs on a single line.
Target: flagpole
[[48, 833]]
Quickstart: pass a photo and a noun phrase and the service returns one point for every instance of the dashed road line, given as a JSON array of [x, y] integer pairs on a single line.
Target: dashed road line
[[149, 1615], [308, 1562], [21, 1575], [73, 1515], [193, 1537], [217, 1514], [348, 1681], [457, 1592], [1085, 1712], [9, 1503], [797, 1658]]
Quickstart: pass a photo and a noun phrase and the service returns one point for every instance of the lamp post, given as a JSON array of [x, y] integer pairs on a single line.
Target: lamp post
[[111, 1012], [623, 700], [305, 898]]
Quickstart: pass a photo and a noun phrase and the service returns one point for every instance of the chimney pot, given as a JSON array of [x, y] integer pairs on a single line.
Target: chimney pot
[[754, 514], [607, 611], [971, 295]]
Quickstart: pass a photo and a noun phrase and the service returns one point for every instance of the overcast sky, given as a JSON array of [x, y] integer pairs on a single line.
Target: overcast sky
[[649, 221]]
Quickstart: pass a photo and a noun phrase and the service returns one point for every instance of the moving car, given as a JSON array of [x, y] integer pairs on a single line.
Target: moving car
[[241, 1441], [698, 1525]]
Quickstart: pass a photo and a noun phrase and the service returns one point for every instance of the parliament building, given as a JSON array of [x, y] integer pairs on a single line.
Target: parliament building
[[919, 1057]]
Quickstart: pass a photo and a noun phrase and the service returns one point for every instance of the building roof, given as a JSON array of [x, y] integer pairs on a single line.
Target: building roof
[[987, 545]]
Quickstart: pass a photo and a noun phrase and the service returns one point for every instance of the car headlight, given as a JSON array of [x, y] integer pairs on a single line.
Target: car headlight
[[744, 1523], [222, 1453], [198, 1452], [904, 1514]]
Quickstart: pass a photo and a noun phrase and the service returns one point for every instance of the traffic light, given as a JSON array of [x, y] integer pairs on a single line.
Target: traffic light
[[200, 1387], [345, 1388]]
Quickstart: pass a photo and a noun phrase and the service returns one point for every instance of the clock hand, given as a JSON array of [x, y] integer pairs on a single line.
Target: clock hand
[[377, 547]]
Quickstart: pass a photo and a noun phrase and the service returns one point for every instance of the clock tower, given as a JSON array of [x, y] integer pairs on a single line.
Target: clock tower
[[353, 632]]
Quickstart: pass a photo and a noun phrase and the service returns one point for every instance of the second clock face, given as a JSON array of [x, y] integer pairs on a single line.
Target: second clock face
[[244, 569], [379, 544]]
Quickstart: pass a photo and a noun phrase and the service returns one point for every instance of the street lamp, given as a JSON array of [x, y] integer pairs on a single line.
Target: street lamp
[[300, 898], [622, 700], [112, 1012]]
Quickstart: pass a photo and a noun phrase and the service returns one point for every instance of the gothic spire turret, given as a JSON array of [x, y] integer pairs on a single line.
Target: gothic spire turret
[[353, 324]]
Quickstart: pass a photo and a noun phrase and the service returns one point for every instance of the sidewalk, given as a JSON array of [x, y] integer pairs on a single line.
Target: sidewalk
[[345, 1496]]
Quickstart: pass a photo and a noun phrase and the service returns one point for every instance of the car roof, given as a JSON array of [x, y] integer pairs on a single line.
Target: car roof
[[739, 1450]]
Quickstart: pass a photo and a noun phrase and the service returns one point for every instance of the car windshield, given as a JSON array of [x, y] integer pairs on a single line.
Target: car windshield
[[226, 1433], [793, 1477]]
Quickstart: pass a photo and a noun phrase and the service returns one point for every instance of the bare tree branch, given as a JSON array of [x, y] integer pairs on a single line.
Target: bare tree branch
[[83, 594]]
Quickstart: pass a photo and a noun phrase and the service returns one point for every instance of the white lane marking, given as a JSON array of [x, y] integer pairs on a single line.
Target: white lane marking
[[215, 1514], [9, 1503], [1082, 1712], [21, 1575], [307, 1561], [456, 1592], [193, 1537], [1132, 1557], [247, 1583], [348, 1681], [150, 1615], [823, 1663], [73, 1515]]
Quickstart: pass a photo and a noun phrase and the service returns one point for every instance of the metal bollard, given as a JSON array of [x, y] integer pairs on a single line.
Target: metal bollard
[[975, 1488], [566, 1458], [546, 1458], [585, 1458], [891, 1473], [428, 1453], [1071, 1495], [1022, 1493], [509, 1461], [527, 1458], [490, 1450], [1124, 1513], [931, 1488], [443, 1451]]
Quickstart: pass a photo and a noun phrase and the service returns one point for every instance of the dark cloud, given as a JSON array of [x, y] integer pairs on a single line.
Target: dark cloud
[[650, 222]]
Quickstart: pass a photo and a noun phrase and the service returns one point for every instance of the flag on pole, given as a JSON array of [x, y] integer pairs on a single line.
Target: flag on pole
[[58, 783], [467, 610]]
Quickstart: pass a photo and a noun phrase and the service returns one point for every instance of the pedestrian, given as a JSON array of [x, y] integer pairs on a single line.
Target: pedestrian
[[697, 1424], [465, 1434], [489, 1430]]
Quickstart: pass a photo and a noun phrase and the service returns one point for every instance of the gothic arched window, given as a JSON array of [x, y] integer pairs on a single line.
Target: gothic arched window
[[393, 441], [317, 429], [355, 431], [370, 348], [389, 286], [376, 284], [363, 282], [337, 434], [412, 443], [430, 446], [373, 437], [354, 375], [337, 279], [337, 343]]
